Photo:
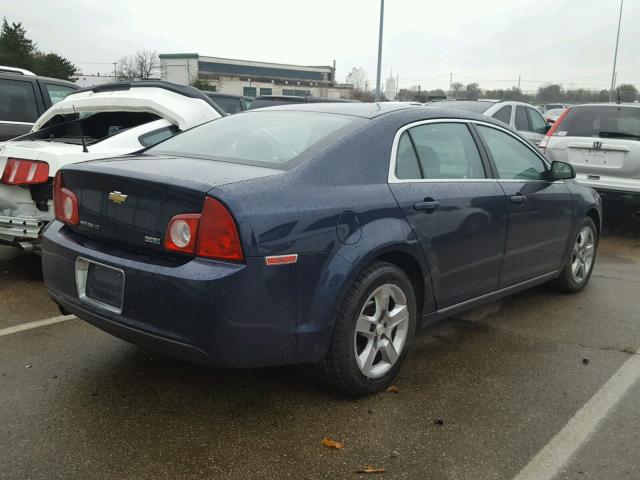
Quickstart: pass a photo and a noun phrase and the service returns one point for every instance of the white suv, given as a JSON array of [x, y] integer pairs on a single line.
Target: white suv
[[524, 118], [602, 142]]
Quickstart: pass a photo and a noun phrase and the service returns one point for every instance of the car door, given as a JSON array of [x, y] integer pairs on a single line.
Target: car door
[[455, 208], [540, 210], [19, 107]]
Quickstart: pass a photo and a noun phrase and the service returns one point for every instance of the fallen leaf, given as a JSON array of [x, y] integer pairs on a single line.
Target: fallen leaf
[[370, 469], [439, 422], [393, 389], [327, 442]]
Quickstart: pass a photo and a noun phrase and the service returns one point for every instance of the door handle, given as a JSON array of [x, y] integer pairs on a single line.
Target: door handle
[[428, 205], [518, 199]]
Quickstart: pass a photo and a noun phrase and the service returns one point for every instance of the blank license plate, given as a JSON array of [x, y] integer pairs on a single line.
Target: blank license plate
[[105, 285]]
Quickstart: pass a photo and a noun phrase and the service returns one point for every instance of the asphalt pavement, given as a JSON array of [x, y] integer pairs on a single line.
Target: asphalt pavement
[[537, 384]]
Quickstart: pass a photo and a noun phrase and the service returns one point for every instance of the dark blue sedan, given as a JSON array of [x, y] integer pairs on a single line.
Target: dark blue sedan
[[317, 233]]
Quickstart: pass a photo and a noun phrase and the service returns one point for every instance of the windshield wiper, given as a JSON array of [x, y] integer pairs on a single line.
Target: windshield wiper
[[618, 135]]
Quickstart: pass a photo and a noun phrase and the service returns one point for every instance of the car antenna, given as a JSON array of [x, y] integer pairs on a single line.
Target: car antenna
[[84, 144]]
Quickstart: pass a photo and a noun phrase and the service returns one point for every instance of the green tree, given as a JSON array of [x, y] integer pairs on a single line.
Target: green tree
[[201, 84], [53, 65], [550, 93], [627, 92], [473, 91], [457, 89], [16, 50]]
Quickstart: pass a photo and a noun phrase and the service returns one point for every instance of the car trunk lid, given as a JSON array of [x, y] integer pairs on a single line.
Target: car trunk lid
[[130, 201]]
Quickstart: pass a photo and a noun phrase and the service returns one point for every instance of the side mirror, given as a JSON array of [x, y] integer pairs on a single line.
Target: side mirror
[[562, 171]]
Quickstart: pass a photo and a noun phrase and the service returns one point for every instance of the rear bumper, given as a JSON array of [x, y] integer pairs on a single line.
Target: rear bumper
[[210, 312], [610, 184]]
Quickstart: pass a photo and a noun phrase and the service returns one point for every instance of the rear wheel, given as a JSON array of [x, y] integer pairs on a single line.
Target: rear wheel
[[373, 331], [577, 271]]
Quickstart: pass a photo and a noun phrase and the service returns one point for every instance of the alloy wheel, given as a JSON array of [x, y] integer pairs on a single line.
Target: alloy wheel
[[381, 330], [583, 253]]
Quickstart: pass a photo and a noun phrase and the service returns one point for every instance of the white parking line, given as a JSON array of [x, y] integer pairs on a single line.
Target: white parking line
[[39, 323], [557, 453]]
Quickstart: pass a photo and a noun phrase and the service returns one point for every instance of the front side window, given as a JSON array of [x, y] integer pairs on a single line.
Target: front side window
[[263, 138], [538, 123], [521, 121], [442, 150], [57, 92], [513, 159], [504, 114], [17, 101]]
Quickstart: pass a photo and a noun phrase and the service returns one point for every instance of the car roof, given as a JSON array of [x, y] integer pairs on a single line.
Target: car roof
[[365, 110], [607, 104]]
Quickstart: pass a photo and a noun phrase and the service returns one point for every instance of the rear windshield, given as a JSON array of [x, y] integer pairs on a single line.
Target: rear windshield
[[265, 138], [607, 121], [228, 104], [469, 106]]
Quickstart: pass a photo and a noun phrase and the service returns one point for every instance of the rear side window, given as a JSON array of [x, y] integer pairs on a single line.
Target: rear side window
[[536, 121], [407, 166], [263, 138], [522, 123], [443, 150], [504, 114], [601, 121], [57, 92], [17, 101], [228, 104], [156, 136], [513, 159]]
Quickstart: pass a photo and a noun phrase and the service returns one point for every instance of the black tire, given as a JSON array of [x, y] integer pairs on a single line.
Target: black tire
[[566, 281], [339, 366]]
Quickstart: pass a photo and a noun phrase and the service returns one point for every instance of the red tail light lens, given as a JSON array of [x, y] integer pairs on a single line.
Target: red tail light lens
[[65, 202], [218, 235], [25, 172], [182, 233], [211, 233]]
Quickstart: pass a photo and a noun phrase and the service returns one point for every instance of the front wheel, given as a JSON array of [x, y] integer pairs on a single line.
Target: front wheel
[[577, 271], [373, 331]]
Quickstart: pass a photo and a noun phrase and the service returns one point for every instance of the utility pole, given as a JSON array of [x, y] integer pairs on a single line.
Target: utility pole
[[519, 77], [380, 51], [450, 83], [115, 69], [615, 55]]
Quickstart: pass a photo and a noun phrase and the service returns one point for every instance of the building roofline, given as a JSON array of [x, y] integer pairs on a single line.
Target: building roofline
[[178, 55]]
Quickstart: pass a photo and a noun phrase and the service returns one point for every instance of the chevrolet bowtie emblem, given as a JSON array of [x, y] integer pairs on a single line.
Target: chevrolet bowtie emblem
[[117, 197]]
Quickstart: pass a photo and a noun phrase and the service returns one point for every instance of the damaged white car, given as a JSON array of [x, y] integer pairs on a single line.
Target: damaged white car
[[100, 122]]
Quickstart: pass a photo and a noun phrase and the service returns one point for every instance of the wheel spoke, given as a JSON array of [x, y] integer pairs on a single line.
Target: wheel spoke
[[381, 297], [367, 357], [397, 316], [388, 352], [363, 326]]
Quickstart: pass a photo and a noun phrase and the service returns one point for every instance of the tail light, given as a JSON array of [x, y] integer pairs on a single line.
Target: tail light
[[25, 172], [65, 202], [212, 233], [552, 131]]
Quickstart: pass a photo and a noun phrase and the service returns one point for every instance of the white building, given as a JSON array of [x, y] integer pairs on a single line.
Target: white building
[[390, 87], [249, 78]]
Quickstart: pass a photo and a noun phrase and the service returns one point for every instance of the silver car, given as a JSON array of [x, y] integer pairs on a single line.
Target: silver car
[[520, 116], [602, 142]]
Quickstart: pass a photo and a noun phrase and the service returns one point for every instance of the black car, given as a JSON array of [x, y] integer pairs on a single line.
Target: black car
[[273, 100], [24, 97], [229, 103]]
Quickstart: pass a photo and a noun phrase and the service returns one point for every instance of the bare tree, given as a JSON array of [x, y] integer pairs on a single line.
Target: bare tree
[[358, 78], [141, 66]]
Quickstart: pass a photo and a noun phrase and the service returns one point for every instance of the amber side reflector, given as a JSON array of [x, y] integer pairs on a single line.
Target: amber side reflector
[[281, 259]]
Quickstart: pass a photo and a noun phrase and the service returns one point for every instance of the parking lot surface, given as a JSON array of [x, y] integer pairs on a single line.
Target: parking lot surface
[[513, 388]]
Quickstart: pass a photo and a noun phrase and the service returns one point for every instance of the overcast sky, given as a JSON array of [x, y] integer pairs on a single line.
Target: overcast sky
[[491, 42]]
